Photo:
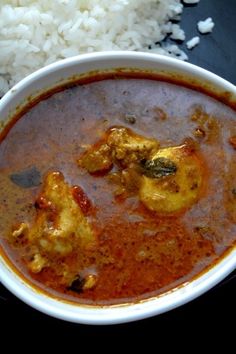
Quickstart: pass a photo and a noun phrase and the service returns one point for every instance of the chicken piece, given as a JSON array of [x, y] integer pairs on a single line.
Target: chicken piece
[[128, 147], [179, 182], [59, 227], [60, 219], [97, 159], [38, 263], [90, 282], [119, 145]]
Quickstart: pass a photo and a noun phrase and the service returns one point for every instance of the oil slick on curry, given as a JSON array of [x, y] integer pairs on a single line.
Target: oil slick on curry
[[118, 189]]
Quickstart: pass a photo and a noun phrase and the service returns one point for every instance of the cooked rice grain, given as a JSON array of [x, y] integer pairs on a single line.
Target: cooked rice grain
[[36, 33]]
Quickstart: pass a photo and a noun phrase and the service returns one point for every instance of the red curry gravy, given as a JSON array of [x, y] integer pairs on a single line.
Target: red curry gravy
[[139, 253]]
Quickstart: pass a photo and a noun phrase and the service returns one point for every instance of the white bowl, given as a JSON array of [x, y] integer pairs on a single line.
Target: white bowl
[[55, 74]]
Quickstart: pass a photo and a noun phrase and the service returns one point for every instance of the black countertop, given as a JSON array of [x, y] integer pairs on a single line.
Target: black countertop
[[213, 310]]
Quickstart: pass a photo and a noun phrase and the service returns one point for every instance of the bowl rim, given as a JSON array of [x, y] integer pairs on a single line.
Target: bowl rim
[[103, 315], [189, 68]]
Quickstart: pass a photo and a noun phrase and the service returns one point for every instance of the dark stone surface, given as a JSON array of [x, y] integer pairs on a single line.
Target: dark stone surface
[[217, 50]]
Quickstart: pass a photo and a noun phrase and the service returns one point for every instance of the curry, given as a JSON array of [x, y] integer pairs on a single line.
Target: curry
[[118, 189]]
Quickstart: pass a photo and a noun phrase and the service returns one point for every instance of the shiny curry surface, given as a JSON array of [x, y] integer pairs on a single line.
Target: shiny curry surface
[[119, 189]]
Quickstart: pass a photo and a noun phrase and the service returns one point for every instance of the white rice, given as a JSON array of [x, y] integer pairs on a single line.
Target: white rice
[[36, 33], [205, 26], [177, 33], [193, 42]]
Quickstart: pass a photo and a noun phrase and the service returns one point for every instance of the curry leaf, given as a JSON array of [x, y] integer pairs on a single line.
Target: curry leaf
[[158, 167]]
